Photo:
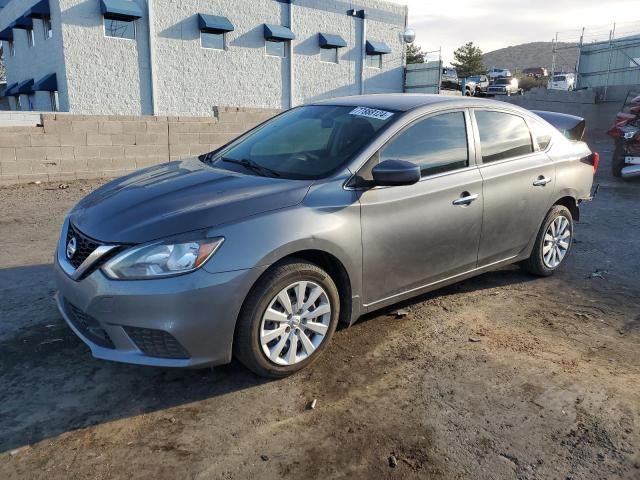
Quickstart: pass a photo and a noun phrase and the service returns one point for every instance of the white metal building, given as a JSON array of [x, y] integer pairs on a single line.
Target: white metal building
[[107, 57]]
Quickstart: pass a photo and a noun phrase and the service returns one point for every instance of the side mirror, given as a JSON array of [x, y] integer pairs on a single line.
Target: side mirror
[[391, 173]]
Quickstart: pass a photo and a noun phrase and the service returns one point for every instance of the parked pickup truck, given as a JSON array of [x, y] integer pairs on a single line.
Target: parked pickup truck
[[505, 86], [480, 84]]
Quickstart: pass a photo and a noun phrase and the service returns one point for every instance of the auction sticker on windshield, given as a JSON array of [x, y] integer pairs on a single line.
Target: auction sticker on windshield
[[371, 113]]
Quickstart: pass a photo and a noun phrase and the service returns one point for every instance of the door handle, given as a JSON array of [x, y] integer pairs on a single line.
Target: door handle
[[541, 181], [465, 199]]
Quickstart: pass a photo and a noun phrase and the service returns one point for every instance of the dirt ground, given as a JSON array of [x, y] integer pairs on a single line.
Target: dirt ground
[[501, 376]]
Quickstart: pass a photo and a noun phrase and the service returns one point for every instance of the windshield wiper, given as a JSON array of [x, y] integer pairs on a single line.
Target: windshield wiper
[[251, 165]]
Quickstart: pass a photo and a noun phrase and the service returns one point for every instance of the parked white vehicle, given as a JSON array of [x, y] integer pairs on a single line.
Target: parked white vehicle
[[563, 81], [498, 72]]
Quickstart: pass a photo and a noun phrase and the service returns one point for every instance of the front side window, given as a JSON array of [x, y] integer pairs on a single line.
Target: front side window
[[276, 49], [305, 142], [120, 28], [47, 28], [329, 55], [215, 41], [374, 61], [437, 144], [31, 38], [502, 135]]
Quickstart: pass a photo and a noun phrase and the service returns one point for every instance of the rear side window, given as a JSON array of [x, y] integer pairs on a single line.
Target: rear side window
[[437, 144], [542, 134], [502, 135]]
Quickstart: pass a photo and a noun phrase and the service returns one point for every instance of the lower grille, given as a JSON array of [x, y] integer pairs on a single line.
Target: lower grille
[[156, 343], [88, 326]]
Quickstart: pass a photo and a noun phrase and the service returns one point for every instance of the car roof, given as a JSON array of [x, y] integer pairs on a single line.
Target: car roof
[[404, 102]]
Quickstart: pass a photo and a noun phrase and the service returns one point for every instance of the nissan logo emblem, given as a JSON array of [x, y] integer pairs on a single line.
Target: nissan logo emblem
[[71, 247]]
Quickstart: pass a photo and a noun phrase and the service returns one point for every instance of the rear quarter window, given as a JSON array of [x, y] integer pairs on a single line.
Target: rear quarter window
[[502, 135]]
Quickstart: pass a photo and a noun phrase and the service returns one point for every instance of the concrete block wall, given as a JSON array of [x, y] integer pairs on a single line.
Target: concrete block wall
[[587, 104], [66, 147]]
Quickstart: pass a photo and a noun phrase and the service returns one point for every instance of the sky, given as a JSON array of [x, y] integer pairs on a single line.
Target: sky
[[494, 24]]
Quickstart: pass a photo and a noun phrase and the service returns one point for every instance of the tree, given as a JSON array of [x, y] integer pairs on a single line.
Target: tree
[[468, 61], [414, 54]]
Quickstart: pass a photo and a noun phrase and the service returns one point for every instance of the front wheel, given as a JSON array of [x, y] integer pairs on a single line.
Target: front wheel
[[287, 320], [552, 243]]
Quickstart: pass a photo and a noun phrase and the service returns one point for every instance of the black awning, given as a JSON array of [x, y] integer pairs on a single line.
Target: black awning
[[214, 24], [377, 48], [328, 40], [48, 83], [26, 87], [23, 23], [278, 32], [7, 34], [11, 90], [40, 10], [120, 9]]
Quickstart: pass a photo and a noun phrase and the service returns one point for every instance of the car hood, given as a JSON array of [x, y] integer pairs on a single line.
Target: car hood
[[178, 197]]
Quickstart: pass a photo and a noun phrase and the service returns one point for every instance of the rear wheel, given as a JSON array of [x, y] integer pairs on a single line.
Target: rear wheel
[[287, 320], [552, 243], [617, 161]]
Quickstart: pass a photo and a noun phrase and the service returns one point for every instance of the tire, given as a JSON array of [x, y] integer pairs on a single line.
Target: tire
[[536, 264], [617, 161], [248, 347]]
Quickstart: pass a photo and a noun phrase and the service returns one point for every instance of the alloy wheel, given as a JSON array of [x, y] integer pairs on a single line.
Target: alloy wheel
[[556, 242], [295, 323]]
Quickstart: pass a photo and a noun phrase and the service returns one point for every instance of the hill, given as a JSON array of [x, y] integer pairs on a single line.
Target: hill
[[536, 54]]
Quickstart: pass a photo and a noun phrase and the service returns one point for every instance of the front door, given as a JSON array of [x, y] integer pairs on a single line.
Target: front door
[[419, 234], [518, 185]]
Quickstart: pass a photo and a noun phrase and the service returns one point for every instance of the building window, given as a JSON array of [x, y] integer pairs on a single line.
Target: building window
[[55, 101], [329, 55], [374, 61], [212, 40], [46, 27], [120, 28], [276, 49], [31, 37], [12, 48]]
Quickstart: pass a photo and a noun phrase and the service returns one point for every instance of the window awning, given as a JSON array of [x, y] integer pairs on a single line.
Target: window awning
[[23, 23], [26, 87], [40, 10], [377, 48], [47, 84], [328, 40], [10, 90], [278, 32], [120, 9], [7, 35], [214, 24]]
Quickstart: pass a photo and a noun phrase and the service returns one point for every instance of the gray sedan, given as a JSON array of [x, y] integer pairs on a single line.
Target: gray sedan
[[319, 215]]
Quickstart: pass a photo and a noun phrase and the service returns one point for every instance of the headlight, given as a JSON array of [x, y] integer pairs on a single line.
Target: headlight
[[162, 259]]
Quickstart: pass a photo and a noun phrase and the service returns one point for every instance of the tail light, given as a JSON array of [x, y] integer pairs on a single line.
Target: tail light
[[595, 158]]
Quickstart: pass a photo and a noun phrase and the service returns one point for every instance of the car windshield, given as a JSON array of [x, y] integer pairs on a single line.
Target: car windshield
[[559, 78], [304, 143], [474, 79], [503, 81]]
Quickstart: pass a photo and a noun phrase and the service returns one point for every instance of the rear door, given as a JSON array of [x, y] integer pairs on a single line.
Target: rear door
[[518, 183], [419, 234]]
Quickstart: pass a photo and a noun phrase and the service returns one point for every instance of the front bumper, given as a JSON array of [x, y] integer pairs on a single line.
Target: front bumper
[[183, 321]]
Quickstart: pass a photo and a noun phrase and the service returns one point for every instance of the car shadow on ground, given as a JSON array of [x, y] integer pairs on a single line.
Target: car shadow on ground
[[51, 384], [506, 276]]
